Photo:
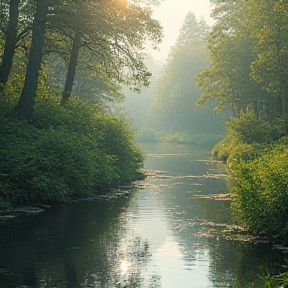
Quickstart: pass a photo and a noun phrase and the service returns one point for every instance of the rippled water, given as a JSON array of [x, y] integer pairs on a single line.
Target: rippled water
[[170, 232]]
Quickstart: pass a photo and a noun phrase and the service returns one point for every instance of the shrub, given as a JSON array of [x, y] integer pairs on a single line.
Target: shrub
[[246, 137], [260, 198], [66, 152], [248, 129]]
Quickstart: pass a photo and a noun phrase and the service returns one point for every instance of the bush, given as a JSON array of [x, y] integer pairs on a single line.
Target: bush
[[248, 129], [246, 137], [66, 152], [260, 198], [256, 153]]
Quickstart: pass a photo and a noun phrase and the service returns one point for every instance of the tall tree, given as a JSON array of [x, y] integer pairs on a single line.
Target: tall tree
[[114, 33], [72, 66], [16, 25], [270, 68], [10, 43], [173, 108], [248, 51], [25, 104]]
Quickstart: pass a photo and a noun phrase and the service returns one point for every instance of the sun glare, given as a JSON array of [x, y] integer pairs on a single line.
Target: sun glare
[[124, 266]]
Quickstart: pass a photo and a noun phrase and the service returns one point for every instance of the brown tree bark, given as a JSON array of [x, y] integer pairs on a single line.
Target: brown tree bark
[[25, 105], [10, 43], [72, 67]]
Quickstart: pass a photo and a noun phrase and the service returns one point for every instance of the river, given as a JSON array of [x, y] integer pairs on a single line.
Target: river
[[172, 230]]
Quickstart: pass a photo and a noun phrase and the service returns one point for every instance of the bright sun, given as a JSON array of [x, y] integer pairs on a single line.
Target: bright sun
[[124, 266]]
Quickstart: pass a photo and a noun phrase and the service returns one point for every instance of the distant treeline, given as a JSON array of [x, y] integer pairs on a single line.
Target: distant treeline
[[173, 109]]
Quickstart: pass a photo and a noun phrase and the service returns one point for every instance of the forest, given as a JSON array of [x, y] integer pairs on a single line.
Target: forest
[[62, 67], [248, 48], [173, 115]]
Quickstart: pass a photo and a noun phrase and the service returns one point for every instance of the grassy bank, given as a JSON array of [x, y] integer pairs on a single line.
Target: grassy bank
[[64, 153]]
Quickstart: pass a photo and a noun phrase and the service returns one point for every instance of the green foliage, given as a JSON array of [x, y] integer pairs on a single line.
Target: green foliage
[[248, 129], [171, 137], [248, 74], [173, 108], [277, 281], [204, 139], [246, 137], [259, 164], [260, 195], [66, 152], [249, 56]]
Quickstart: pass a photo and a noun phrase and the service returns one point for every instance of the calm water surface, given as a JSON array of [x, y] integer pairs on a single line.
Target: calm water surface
[[169, 232]]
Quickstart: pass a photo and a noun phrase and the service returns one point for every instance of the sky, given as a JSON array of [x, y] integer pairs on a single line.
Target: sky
[[171, 15]]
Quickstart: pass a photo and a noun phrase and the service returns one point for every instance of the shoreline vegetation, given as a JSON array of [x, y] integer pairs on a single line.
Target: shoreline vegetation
[[60, 78], [64, 153], [148, 135], [255, 152]]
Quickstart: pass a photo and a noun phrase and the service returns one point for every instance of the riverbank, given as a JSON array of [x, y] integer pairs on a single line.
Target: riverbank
[[256, 155], [150, 237], [65, 153], [20, 211]]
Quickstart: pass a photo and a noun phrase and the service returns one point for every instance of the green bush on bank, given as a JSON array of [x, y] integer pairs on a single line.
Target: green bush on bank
[[246, 137], [256, 153], [66, 152], [260, 195]]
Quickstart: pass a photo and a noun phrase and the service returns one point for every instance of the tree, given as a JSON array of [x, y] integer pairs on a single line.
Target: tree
[[249, 56], [25, 104], [10, 43], [173, 108], [227, 80], [15, 26], [270, 68], [113, 33]]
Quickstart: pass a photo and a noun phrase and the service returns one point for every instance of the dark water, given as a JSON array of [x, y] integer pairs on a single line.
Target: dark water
[[166, 234]]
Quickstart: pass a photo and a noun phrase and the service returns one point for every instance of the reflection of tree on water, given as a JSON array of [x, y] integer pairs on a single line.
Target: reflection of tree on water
[[241, 267], [231, 263], [62, 246], [77, 246]]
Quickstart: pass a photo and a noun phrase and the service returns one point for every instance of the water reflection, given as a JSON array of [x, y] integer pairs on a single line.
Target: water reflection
[[167, 234]]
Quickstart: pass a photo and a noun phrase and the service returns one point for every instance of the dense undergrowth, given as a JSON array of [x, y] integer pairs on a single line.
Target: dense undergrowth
[[66, 152], [256, 153]]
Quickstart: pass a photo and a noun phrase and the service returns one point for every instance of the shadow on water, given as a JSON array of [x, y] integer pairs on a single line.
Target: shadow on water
[[172, 231], [61, 244]]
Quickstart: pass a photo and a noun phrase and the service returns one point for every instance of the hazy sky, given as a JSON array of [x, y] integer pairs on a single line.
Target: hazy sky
[[171, 14]]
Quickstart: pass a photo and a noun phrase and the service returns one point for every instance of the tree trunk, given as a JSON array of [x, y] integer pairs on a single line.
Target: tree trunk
[[72, 67], [26, 103], [10, 43]]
